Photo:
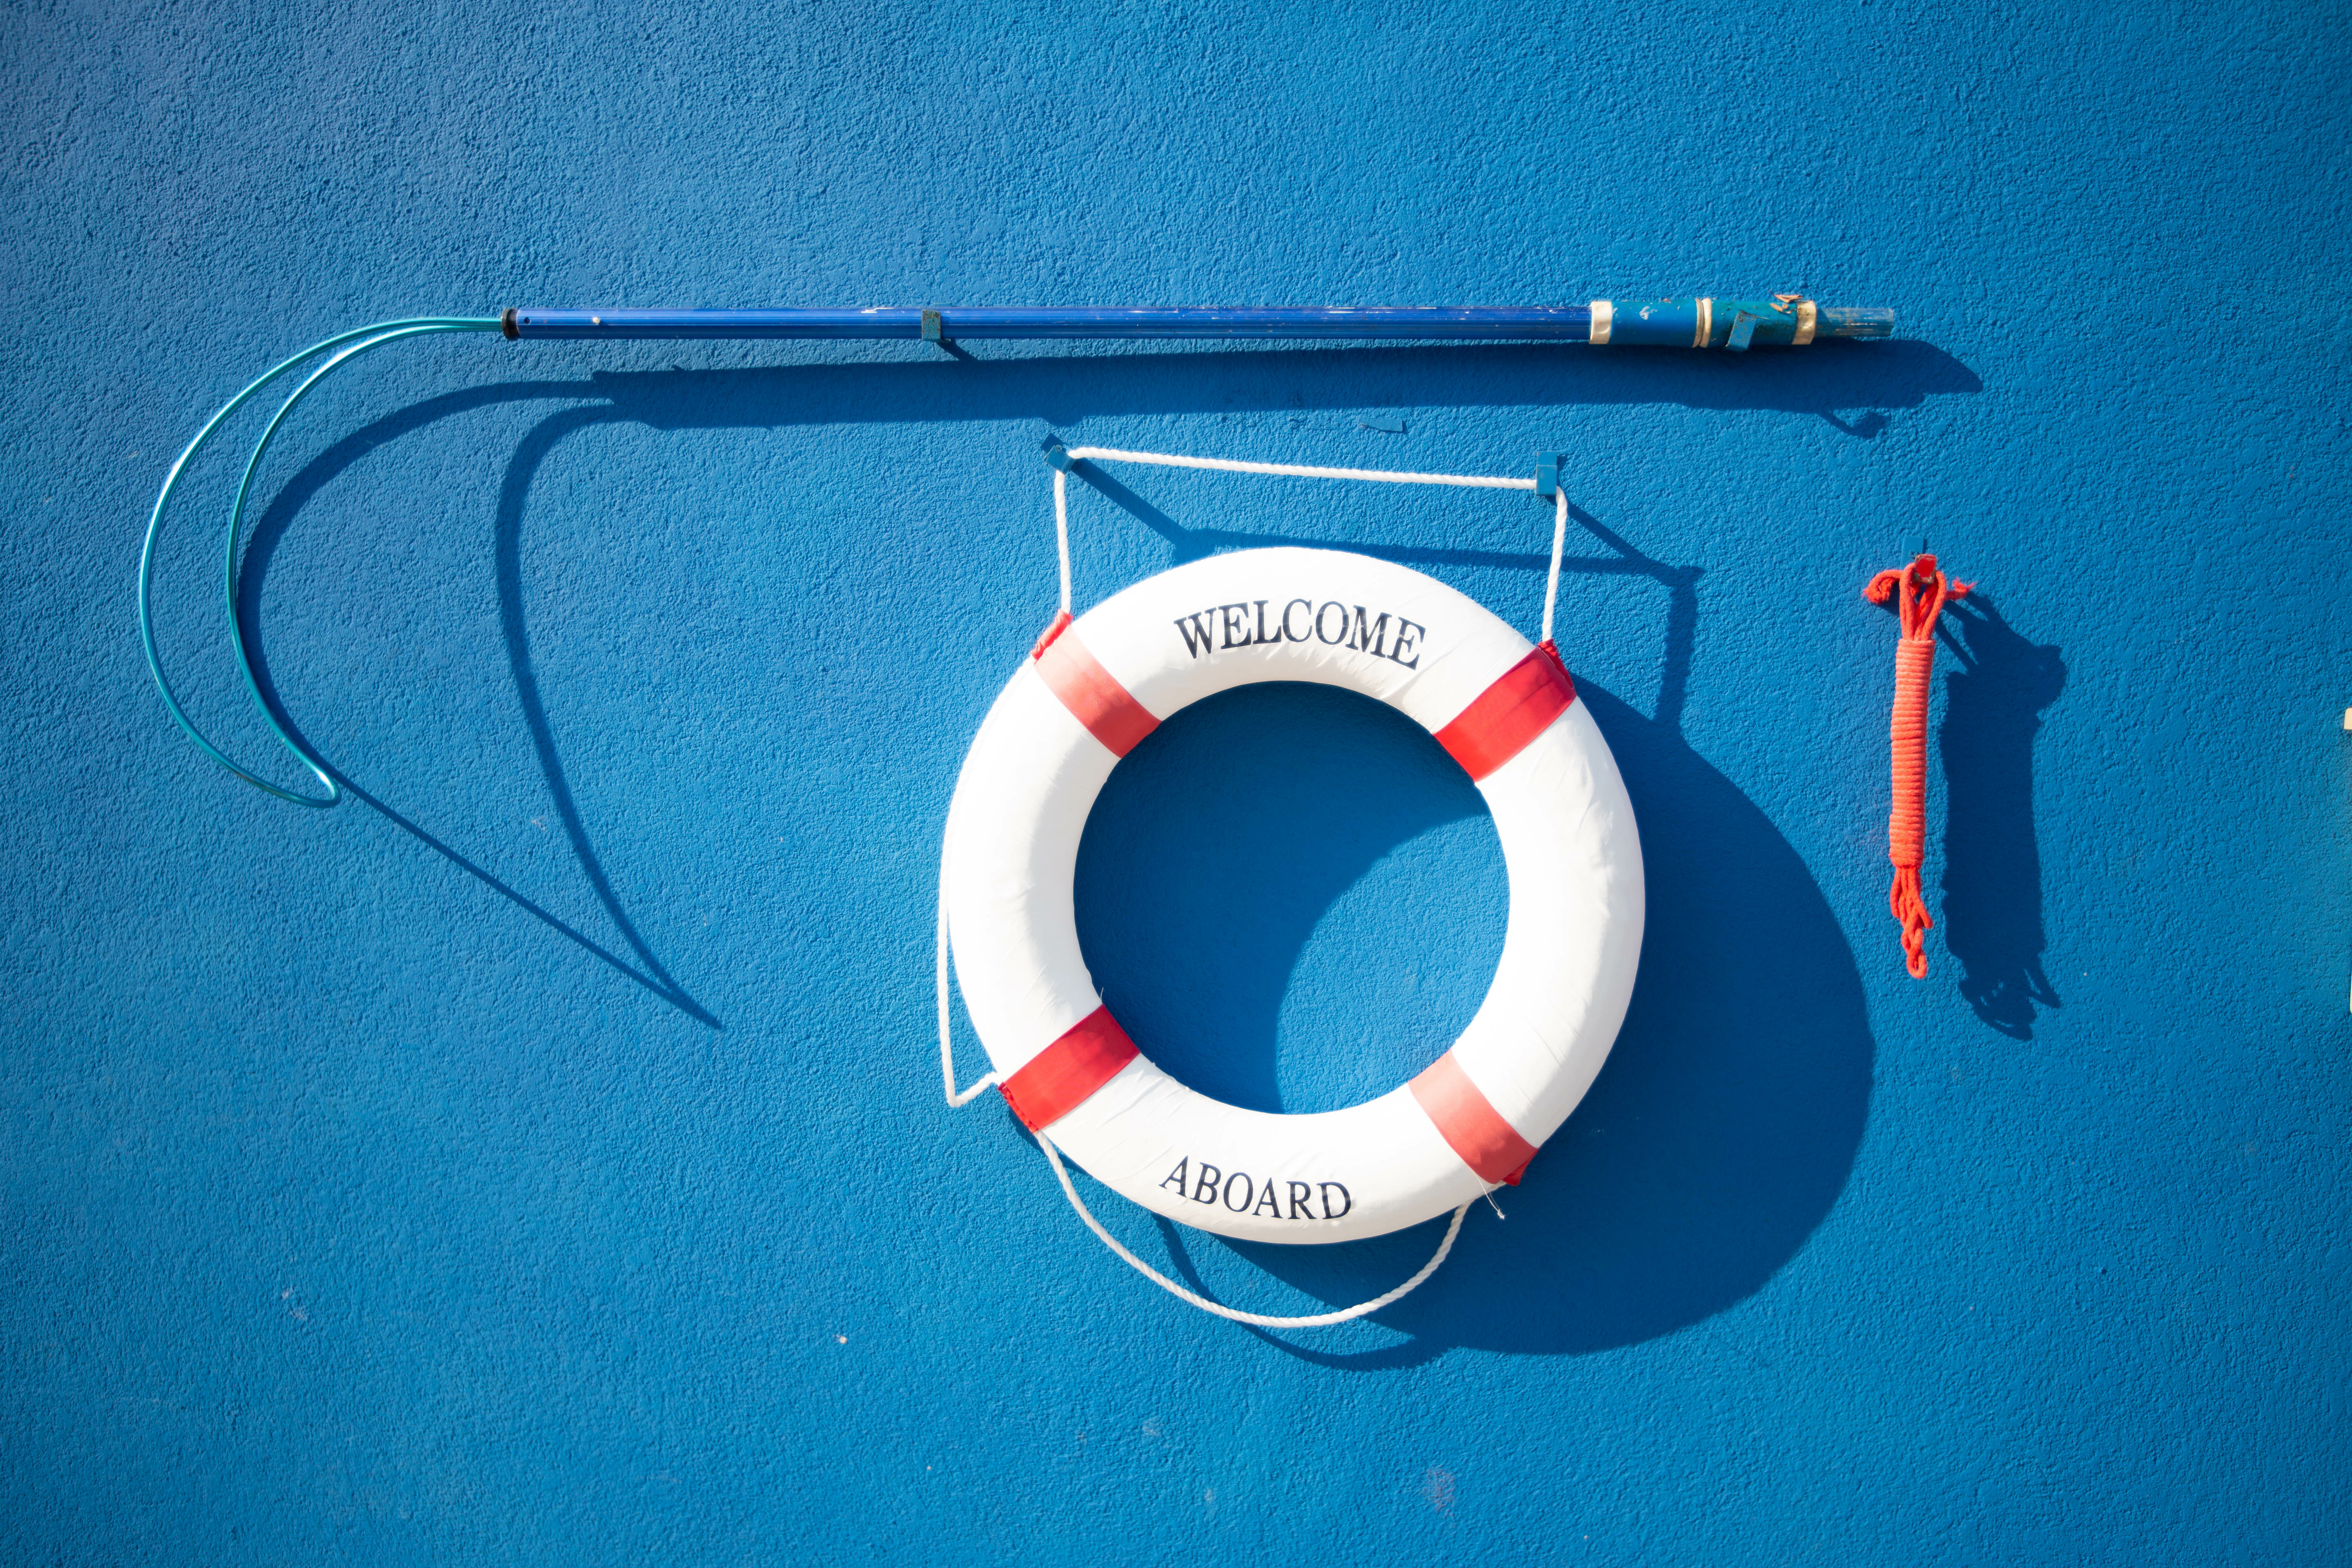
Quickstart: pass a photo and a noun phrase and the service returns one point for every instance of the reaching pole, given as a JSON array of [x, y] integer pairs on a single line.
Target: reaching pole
[[1734, 324]]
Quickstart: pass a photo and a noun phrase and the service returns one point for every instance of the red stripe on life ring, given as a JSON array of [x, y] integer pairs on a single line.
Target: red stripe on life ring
[[1502, 719], [1057, 1079], [1468, 1121], [1092, 694]]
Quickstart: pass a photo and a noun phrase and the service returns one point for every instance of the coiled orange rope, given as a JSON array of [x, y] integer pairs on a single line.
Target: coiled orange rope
[[1923, 591]]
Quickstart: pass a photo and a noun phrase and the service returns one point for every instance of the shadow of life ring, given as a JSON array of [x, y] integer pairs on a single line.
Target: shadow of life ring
[[1503, 707]]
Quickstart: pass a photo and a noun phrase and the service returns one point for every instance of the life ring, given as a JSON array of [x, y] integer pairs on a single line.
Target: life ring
[[1507, 711]]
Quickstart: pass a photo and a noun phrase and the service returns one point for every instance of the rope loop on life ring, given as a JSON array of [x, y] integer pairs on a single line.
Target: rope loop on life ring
[[1093, 688]]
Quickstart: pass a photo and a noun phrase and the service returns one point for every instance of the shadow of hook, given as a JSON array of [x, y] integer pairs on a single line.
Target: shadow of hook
[[270, 530]]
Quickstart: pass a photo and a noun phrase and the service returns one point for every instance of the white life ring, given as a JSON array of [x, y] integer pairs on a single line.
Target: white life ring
[[1094, 688]]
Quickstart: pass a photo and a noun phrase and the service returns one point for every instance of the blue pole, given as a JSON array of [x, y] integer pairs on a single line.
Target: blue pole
[[1734, 324], [1688, 323]]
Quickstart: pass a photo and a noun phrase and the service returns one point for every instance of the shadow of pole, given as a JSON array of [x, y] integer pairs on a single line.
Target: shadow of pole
[[1824, 381]]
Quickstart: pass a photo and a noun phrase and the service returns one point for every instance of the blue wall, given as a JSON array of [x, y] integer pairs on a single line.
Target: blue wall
[[540, 1158]]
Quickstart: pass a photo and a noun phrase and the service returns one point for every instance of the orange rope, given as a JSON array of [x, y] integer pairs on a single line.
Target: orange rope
[[1924, 591]]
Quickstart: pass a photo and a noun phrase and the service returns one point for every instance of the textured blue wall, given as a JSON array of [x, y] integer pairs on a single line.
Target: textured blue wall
[[540, 1159]]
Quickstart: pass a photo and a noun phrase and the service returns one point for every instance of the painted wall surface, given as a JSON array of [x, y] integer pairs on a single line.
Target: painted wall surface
[[540, 1158]]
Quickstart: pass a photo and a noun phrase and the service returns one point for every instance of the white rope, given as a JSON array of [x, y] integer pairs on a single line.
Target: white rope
[[1313, 1320], [947, 1039], [1301, 470], [1559, 540], [1298, 470], [1062, 532], [960, 1098]]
